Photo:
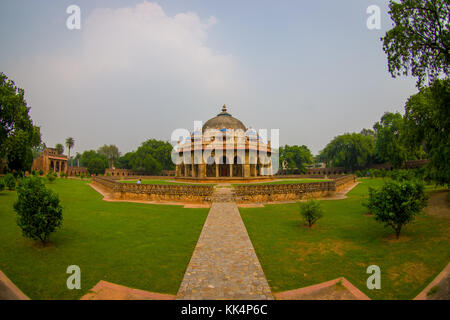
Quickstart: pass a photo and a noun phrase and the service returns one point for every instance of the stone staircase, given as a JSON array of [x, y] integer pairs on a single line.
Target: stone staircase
[[223, 194]]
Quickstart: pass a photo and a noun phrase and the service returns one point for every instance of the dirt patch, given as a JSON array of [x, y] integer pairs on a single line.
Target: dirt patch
[[409, 272], [338, 247], [391, 238], [438, 205]]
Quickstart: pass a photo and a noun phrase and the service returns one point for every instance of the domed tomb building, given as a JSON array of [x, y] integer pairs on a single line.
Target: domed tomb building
[[224, 149]]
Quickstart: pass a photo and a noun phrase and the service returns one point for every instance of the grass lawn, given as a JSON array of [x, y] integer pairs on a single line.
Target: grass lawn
[[165, 182], [143, 246], [344, 243]]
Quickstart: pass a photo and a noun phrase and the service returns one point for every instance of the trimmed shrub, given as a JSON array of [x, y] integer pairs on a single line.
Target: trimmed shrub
[[311, 211], [10, 182], [397, 203], [39, 212], [2, 185], [51, 176], [41, 173]]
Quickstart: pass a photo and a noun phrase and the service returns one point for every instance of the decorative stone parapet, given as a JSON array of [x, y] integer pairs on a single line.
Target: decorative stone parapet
[[292, 191], [156, 192]]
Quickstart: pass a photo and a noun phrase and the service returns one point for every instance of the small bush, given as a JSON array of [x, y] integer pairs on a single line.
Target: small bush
[[38, 209], [397, 203], [51, 176], [10, 182], [41, 173], [2, 185], [311, 211], [82, 176]]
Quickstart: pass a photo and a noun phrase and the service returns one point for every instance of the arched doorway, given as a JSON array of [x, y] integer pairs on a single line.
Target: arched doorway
[[224, 168], [210, 167], [237, 167]]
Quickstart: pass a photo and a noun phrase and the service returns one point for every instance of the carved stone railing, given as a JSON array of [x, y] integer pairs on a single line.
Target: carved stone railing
[[291, 191], [156, 192]]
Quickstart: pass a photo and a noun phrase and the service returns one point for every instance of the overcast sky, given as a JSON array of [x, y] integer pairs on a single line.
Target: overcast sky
[[140, 69]]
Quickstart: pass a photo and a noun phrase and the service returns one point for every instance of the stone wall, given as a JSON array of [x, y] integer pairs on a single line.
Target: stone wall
[[74, 171], [292, 191], [156, 192]]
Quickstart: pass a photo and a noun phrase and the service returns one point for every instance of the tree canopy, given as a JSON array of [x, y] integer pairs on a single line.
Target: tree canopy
[[95, 162], [111, 153], [18, 135], [389, 146], [349, 150], [297, 157], [419, 42], [150, 158], [427, 122]]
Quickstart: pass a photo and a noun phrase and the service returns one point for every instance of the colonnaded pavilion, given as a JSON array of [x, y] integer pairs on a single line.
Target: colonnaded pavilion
[[224, 149]]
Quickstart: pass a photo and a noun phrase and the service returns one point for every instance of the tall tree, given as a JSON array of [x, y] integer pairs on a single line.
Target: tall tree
[[297, 157], [18, 135], [59, 148], [427, 120], [111, 152], [70, 142], [349, 150], [389, 133], [419, 42]]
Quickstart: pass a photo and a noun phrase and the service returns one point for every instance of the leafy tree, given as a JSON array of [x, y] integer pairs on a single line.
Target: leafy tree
[[311, 211], [10, 181], [427, 122], [96, 166], [70, 142], [297, 157], [37, 150], [111, 153], [17, 132], [151, 157], [146, 164], [397, 203], [59, 148], [419, 42], [350, 150], [124, 162], [39, 212], [389, 133], [87, 156]]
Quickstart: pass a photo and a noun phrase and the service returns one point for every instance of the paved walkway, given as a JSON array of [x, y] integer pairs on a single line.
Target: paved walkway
[[224, 264]]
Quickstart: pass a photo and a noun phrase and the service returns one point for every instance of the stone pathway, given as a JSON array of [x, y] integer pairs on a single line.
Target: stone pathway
[[224, 264]]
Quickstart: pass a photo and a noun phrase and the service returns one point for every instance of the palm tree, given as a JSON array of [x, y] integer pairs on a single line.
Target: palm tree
[[59, 148], [70, 142]]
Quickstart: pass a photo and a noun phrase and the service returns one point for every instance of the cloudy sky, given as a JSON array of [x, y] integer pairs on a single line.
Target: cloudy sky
[[140, 69]]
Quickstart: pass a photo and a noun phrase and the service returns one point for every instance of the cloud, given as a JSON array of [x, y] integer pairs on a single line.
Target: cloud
[[135, 74]]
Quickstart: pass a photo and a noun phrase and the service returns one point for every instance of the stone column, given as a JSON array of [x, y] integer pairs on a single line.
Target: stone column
[[217, 170], [185, 170], [231, 170], [246, 169]]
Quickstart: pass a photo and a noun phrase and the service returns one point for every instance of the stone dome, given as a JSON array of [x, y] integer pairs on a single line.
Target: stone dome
[[223, 120]]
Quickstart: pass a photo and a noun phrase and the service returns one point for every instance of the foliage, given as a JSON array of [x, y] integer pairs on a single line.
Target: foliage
[[311, 211], [388, 143], [427, 119], [419, 42], [95, 162], [111, 153], [2, 184], [397, 203], [297, 157], [51, 176], [350, 150], [59, 148], [17, 132], [10, 181], [37, 150], [150, 158], [38, 209]]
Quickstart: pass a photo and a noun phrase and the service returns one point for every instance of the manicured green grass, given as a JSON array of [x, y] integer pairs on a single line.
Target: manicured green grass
[[137, 245], [344, 243]]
